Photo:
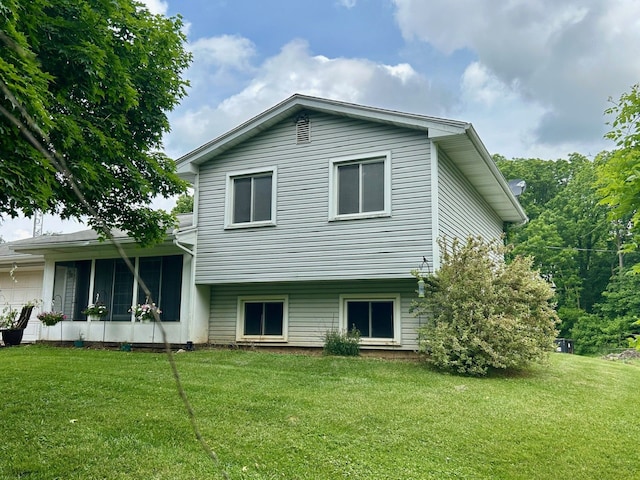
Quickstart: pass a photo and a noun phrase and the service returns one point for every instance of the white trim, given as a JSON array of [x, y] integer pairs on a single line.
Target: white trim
[[397, 316], [241, 337], [228, 207], [333, 184], [435, 206]]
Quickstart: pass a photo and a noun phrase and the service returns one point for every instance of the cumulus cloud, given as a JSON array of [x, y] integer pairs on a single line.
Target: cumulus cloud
[[295, 69], [565, 57], [157, 7], [226, 51], [347, 3]]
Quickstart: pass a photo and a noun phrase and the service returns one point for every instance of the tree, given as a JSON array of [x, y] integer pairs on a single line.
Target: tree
[[85, 86], [570, 236], [619, 176], [483, 313], [184, 204]]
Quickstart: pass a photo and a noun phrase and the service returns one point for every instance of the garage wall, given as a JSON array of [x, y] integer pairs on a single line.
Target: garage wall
[[26, 285]]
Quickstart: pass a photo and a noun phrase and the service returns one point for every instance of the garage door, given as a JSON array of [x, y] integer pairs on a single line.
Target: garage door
[[28, 287]]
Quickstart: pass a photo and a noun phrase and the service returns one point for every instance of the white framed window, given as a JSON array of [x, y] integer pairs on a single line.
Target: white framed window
[[360, 186], [375, 316], [263, 318], [251, 198]]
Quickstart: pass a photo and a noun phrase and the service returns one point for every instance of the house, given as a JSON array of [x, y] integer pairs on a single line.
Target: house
[[307, 218], [310, 217]]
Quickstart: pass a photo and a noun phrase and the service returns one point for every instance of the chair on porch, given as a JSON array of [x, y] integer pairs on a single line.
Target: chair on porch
[[23, 319]]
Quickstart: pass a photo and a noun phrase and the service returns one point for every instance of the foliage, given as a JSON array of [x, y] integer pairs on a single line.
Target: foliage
[[342, 343], [8, 318], [146, 312], [184, 204], [544, 179], [594, 334], [615, 319], [619, 177], [96, 309], [483, 313], [85, 90], [51, 318], [571, 238], [634, 340]]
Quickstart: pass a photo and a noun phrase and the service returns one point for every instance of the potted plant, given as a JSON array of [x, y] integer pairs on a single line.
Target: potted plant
[[13, 325], [95, 311], [51, 318], [145, 312], [11, 333]]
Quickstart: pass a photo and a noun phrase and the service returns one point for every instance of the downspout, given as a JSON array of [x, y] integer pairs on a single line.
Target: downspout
[[191, 299], [181, 246]]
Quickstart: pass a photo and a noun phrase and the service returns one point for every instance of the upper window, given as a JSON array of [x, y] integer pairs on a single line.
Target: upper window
[[360, 186], [262, 318], [375, 317], [251, 198]]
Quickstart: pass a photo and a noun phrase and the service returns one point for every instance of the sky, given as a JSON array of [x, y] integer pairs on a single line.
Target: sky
[[534, 77]]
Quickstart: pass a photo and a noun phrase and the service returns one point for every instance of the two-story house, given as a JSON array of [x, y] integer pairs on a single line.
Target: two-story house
[[310, 216], [307, 218]]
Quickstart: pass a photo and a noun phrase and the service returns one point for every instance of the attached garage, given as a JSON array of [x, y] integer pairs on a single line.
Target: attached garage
[[20, 282]]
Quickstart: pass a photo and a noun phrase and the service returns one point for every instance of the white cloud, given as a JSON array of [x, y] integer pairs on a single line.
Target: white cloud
[[347, 3], [157, 7], [296, 70], [568, 57], [226, 51]]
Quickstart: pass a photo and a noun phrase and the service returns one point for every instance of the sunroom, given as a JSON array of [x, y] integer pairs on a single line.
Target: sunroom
[[80, 271]]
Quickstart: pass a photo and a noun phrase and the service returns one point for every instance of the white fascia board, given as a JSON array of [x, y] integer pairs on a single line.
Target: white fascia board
[[488, 160]]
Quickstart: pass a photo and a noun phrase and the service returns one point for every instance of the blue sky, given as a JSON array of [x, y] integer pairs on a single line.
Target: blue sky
[[533, 76]]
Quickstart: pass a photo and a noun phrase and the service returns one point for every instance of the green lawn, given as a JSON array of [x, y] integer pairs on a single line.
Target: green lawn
[[94, 414]]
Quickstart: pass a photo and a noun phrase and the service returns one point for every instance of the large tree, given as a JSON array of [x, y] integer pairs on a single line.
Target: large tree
[[85, 87], [619, 176]]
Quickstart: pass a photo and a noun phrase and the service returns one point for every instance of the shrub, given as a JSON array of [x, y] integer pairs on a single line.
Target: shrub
[[344, 343], [593, 334], [483, 313]]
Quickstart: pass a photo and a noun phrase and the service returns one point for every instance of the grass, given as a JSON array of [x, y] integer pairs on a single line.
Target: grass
[[95, 414]]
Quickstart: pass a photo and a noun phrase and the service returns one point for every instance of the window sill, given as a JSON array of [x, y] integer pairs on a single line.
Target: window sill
[[263, 339], [358, 216], [236, 226], [380, 342]]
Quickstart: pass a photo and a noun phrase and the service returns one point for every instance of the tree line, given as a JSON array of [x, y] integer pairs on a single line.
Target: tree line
[[583, 232]]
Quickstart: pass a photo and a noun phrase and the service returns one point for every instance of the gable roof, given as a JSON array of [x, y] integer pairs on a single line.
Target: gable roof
[[458, 140]]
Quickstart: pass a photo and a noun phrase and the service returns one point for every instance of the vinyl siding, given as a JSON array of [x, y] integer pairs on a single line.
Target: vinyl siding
[[463, 212], [313, 308], [304, 244]]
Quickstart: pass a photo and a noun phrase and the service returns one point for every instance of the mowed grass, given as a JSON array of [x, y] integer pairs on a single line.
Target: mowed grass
[[97, 414]]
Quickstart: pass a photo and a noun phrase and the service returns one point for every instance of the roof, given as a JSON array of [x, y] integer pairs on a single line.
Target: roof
[[458, 140], [9, 258], [81, 239]]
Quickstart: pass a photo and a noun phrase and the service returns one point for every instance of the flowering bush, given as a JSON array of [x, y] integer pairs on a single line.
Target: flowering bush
[[145, 311], [51, 318], [8, 318], [96, 309]]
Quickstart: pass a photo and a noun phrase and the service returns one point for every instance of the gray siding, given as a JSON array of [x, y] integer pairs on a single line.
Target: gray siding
[[313, 309], [462, 211], [305, 245]]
